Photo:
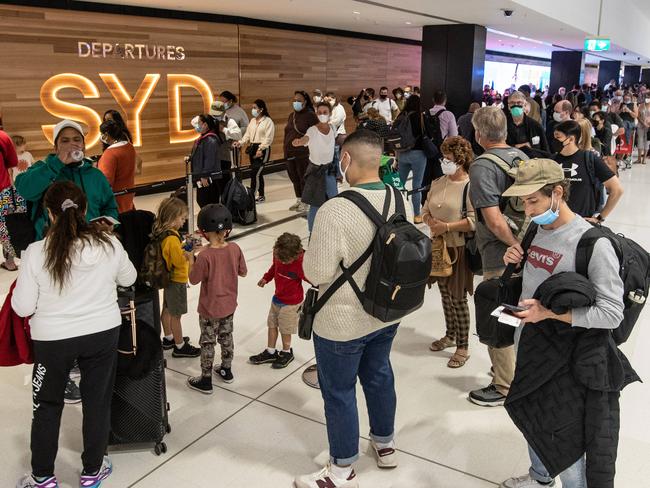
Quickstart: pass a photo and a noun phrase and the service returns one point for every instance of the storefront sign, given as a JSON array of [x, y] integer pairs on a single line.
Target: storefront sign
[[131, 105], [130, 51]]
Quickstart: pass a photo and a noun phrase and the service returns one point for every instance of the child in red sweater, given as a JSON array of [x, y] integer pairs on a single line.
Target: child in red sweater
[[287, 272]]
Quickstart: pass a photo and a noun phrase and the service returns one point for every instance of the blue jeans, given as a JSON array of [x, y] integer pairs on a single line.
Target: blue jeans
[[414, 160], [331, 190], [339, 364], [573, 477]]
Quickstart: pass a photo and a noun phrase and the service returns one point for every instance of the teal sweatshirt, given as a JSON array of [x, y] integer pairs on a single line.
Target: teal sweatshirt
[[33, 183]]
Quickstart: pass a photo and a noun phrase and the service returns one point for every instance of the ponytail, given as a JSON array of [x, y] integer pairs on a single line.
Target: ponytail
[[67, 205]]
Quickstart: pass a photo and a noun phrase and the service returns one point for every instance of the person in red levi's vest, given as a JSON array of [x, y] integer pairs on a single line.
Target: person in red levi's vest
[[68, 285]]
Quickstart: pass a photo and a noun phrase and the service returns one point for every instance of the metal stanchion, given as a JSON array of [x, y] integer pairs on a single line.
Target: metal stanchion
[[190, 196]]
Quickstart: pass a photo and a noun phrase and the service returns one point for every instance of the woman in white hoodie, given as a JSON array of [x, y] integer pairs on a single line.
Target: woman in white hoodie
[[68, 285]]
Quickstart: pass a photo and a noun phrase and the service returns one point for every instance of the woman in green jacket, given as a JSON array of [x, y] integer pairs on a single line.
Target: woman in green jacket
[[67, 163]]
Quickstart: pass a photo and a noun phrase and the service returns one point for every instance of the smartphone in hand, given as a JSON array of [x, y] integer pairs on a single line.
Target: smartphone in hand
[[106, 220]]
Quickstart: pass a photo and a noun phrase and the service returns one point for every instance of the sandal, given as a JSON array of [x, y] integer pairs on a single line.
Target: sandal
[[442, 344], [459, 359], [4, 266]]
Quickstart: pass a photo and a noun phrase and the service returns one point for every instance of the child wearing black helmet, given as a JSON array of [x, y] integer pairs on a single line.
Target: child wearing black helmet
[[217, 268]]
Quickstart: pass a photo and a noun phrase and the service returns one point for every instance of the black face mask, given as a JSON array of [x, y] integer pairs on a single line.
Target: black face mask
[[383, 97]]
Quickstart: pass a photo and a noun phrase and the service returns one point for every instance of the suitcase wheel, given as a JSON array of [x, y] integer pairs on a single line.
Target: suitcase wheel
[[160, 448]]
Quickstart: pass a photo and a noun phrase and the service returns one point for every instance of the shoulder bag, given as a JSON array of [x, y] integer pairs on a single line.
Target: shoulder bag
[[491, 294]]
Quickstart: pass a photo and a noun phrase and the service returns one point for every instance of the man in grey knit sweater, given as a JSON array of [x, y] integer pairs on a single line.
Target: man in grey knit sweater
[[348, 342]]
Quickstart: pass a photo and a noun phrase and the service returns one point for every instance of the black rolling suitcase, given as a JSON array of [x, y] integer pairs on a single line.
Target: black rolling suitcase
[[139, 408]]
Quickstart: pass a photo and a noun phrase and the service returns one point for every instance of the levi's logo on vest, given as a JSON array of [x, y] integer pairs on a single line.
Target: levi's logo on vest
[[543, 258]]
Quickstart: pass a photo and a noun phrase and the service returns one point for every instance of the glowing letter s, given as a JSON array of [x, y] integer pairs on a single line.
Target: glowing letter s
[[67, 110]]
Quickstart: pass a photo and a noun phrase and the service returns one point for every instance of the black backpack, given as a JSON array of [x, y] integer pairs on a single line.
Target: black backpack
[[634, 271], [400, 137], [432, 126], [240, 201], [400, 265]]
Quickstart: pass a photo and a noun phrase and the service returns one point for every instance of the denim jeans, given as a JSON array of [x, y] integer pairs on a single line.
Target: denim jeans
[[339, 364], [416, 161], [331, 190], [573, 477]]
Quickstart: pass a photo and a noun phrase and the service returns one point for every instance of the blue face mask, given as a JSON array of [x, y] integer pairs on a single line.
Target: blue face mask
[[297, 106], [548, 217]]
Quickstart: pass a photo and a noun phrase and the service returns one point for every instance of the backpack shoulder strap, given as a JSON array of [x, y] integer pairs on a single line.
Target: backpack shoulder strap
[[366, 207], [586, 246], [348, 273], [525, 245], [464, 207], [501, 163]]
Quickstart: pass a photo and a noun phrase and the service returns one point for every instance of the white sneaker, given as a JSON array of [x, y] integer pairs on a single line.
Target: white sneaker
[[295, 206], [523, 482], [303, 207], [325, 479], [28, 481], [386, 457]]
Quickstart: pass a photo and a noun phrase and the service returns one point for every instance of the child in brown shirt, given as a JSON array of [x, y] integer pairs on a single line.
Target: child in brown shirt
[[217, 268]]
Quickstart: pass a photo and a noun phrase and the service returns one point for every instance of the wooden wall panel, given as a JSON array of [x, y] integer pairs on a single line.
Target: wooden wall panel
[[39, 43], [253, 62], [271, 68]]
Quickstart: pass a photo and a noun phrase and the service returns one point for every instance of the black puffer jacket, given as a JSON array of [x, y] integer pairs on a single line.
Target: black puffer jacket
[[565, 395]]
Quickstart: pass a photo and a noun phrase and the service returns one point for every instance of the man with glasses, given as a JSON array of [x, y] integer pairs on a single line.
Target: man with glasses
[[524, 132]]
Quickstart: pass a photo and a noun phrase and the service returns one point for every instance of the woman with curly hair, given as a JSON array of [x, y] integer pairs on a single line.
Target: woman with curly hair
[[448, 216]]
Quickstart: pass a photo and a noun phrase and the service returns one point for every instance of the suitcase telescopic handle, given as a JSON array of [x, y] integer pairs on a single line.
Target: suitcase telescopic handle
[[134, 335]]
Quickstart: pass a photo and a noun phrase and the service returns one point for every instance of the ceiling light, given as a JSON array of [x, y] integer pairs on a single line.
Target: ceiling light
[[356, 13], [408, 23]]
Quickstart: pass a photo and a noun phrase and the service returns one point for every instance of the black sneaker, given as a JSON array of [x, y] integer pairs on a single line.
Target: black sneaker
[[72, 392], [284, 358], [167, 344], [224, 373], [487, 397], [187, 351], [264, 357], [200, 383], [260, 199]]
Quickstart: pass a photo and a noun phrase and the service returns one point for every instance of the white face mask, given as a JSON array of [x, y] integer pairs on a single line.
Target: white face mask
[[317, 99], [448, 167], [557, 116], [255, 112], [323, 119], [647, 100]]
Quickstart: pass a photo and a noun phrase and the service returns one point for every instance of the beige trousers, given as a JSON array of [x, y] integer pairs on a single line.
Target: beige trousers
[[503, 359]]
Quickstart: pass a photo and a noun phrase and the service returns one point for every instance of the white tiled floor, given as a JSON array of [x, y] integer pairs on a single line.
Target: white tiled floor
[[268, 426]]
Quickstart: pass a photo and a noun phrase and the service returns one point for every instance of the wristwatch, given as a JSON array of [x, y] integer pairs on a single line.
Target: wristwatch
[[600, 218]]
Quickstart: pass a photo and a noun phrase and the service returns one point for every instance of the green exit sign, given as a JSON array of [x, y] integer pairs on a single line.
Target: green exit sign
[[597, 44]]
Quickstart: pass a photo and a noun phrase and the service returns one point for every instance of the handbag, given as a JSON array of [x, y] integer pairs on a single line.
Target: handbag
[[19, 225], [491, 294], [441, 263], [472, 254], [307, 314]]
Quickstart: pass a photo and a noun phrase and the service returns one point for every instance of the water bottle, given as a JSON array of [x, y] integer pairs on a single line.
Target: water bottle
[[77, 155]]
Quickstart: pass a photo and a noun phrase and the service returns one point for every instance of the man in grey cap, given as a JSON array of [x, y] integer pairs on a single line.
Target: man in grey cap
[[542, 186]]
